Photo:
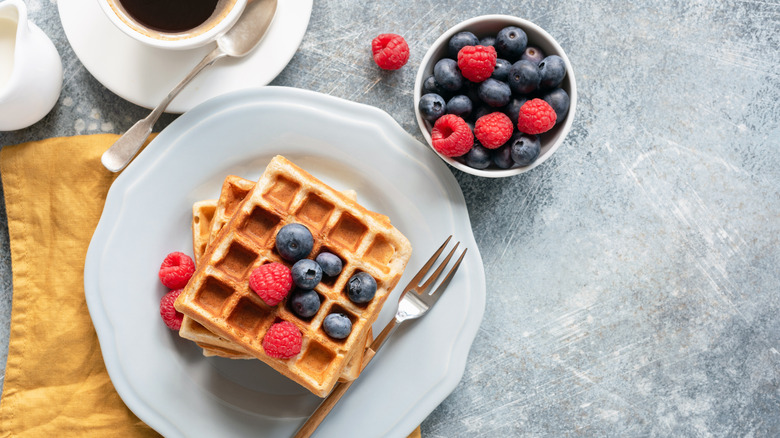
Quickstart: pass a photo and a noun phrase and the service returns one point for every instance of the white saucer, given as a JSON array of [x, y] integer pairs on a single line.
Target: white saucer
[[144, 75]]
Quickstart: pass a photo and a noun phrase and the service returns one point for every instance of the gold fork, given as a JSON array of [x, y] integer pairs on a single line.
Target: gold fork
[[410, 306]]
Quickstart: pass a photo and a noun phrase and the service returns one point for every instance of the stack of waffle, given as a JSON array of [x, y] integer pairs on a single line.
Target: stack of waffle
[[236, 233]]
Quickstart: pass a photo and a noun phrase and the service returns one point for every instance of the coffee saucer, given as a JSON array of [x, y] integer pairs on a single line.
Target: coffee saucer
[[144, 75]]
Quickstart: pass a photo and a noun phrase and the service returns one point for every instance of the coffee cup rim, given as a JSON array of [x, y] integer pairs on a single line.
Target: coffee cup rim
[[175, 43]]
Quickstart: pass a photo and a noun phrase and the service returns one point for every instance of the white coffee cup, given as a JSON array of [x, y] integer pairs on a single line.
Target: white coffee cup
[[173, 24]]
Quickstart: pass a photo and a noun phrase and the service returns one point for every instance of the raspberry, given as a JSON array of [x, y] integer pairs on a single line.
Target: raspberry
[[282, 340], [271, 282], [390, 51], [493, 130], [477, 62], [536, 116], [170, 315], [451, 136], [176, 270]]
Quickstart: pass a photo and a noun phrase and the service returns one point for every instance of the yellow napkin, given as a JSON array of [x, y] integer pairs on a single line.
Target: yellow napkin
[[55, 381]]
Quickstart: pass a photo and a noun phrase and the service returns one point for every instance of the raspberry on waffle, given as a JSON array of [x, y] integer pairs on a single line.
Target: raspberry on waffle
[[219, 298]]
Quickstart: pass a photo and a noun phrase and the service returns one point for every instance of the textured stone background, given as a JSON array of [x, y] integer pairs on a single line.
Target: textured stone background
[[633, 278]]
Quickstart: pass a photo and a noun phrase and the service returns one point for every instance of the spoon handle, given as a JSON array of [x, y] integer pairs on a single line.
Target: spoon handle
[[119, 155]]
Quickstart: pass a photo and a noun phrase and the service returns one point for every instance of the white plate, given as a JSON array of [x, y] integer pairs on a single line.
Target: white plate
[[164, 379], [144, 75]]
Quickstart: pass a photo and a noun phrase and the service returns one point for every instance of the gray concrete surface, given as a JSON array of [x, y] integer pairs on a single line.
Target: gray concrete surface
[[633, 284]]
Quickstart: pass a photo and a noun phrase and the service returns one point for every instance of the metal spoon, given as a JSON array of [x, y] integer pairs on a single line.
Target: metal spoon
[[238, 41]]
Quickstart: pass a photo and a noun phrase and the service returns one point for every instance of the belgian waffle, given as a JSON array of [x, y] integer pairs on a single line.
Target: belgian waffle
[[208, 218], [218, 296]]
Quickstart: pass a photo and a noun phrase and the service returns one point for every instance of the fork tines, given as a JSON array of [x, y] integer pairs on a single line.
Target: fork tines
[[414, 284]]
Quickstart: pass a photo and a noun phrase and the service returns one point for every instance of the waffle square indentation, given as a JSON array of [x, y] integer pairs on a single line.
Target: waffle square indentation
[[248, 317], [259, 225], [316, 359], [237, 261], [206, 214], [213, 295], [315, 211], [348, 232], [234, 198], [282, 192], [380, 253]]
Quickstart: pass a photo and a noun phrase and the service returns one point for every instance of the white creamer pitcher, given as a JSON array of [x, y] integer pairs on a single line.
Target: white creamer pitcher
[[30, 69]]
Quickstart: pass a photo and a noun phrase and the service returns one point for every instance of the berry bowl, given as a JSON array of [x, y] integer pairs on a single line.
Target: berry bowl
[[523, 72]]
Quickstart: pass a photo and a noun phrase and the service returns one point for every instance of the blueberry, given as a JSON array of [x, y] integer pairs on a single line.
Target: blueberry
[[524, 77], [448, 75], [304, 303], [306, 273], [511, 43], [552, 69], [478, 157], [513, 108], [330, 263], [488, 41], [470, 90], [494, 92], [361, 288], [558, 99], [482, 110], [432, 106], [459, 105], [459, 41], [431, 86], [501, 70], [337, 325], [294, 242], [533, 54], [525, 148], [502, 157]]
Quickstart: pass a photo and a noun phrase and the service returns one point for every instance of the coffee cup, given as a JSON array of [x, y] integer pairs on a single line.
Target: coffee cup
[[173, 24]]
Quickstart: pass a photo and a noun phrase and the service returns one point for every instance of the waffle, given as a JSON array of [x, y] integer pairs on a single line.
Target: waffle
[[208, 218], [218, 296]]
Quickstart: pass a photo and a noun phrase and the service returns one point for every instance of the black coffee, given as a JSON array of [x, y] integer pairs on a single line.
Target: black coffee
[[170, 15]]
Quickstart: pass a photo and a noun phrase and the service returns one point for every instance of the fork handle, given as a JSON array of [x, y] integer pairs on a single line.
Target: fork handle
[[382, 337], [323, 410], [338, 391]]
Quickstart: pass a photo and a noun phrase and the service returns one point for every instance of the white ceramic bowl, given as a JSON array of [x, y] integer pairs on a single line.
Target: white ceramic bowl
[[224, 18], [489, 25]]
